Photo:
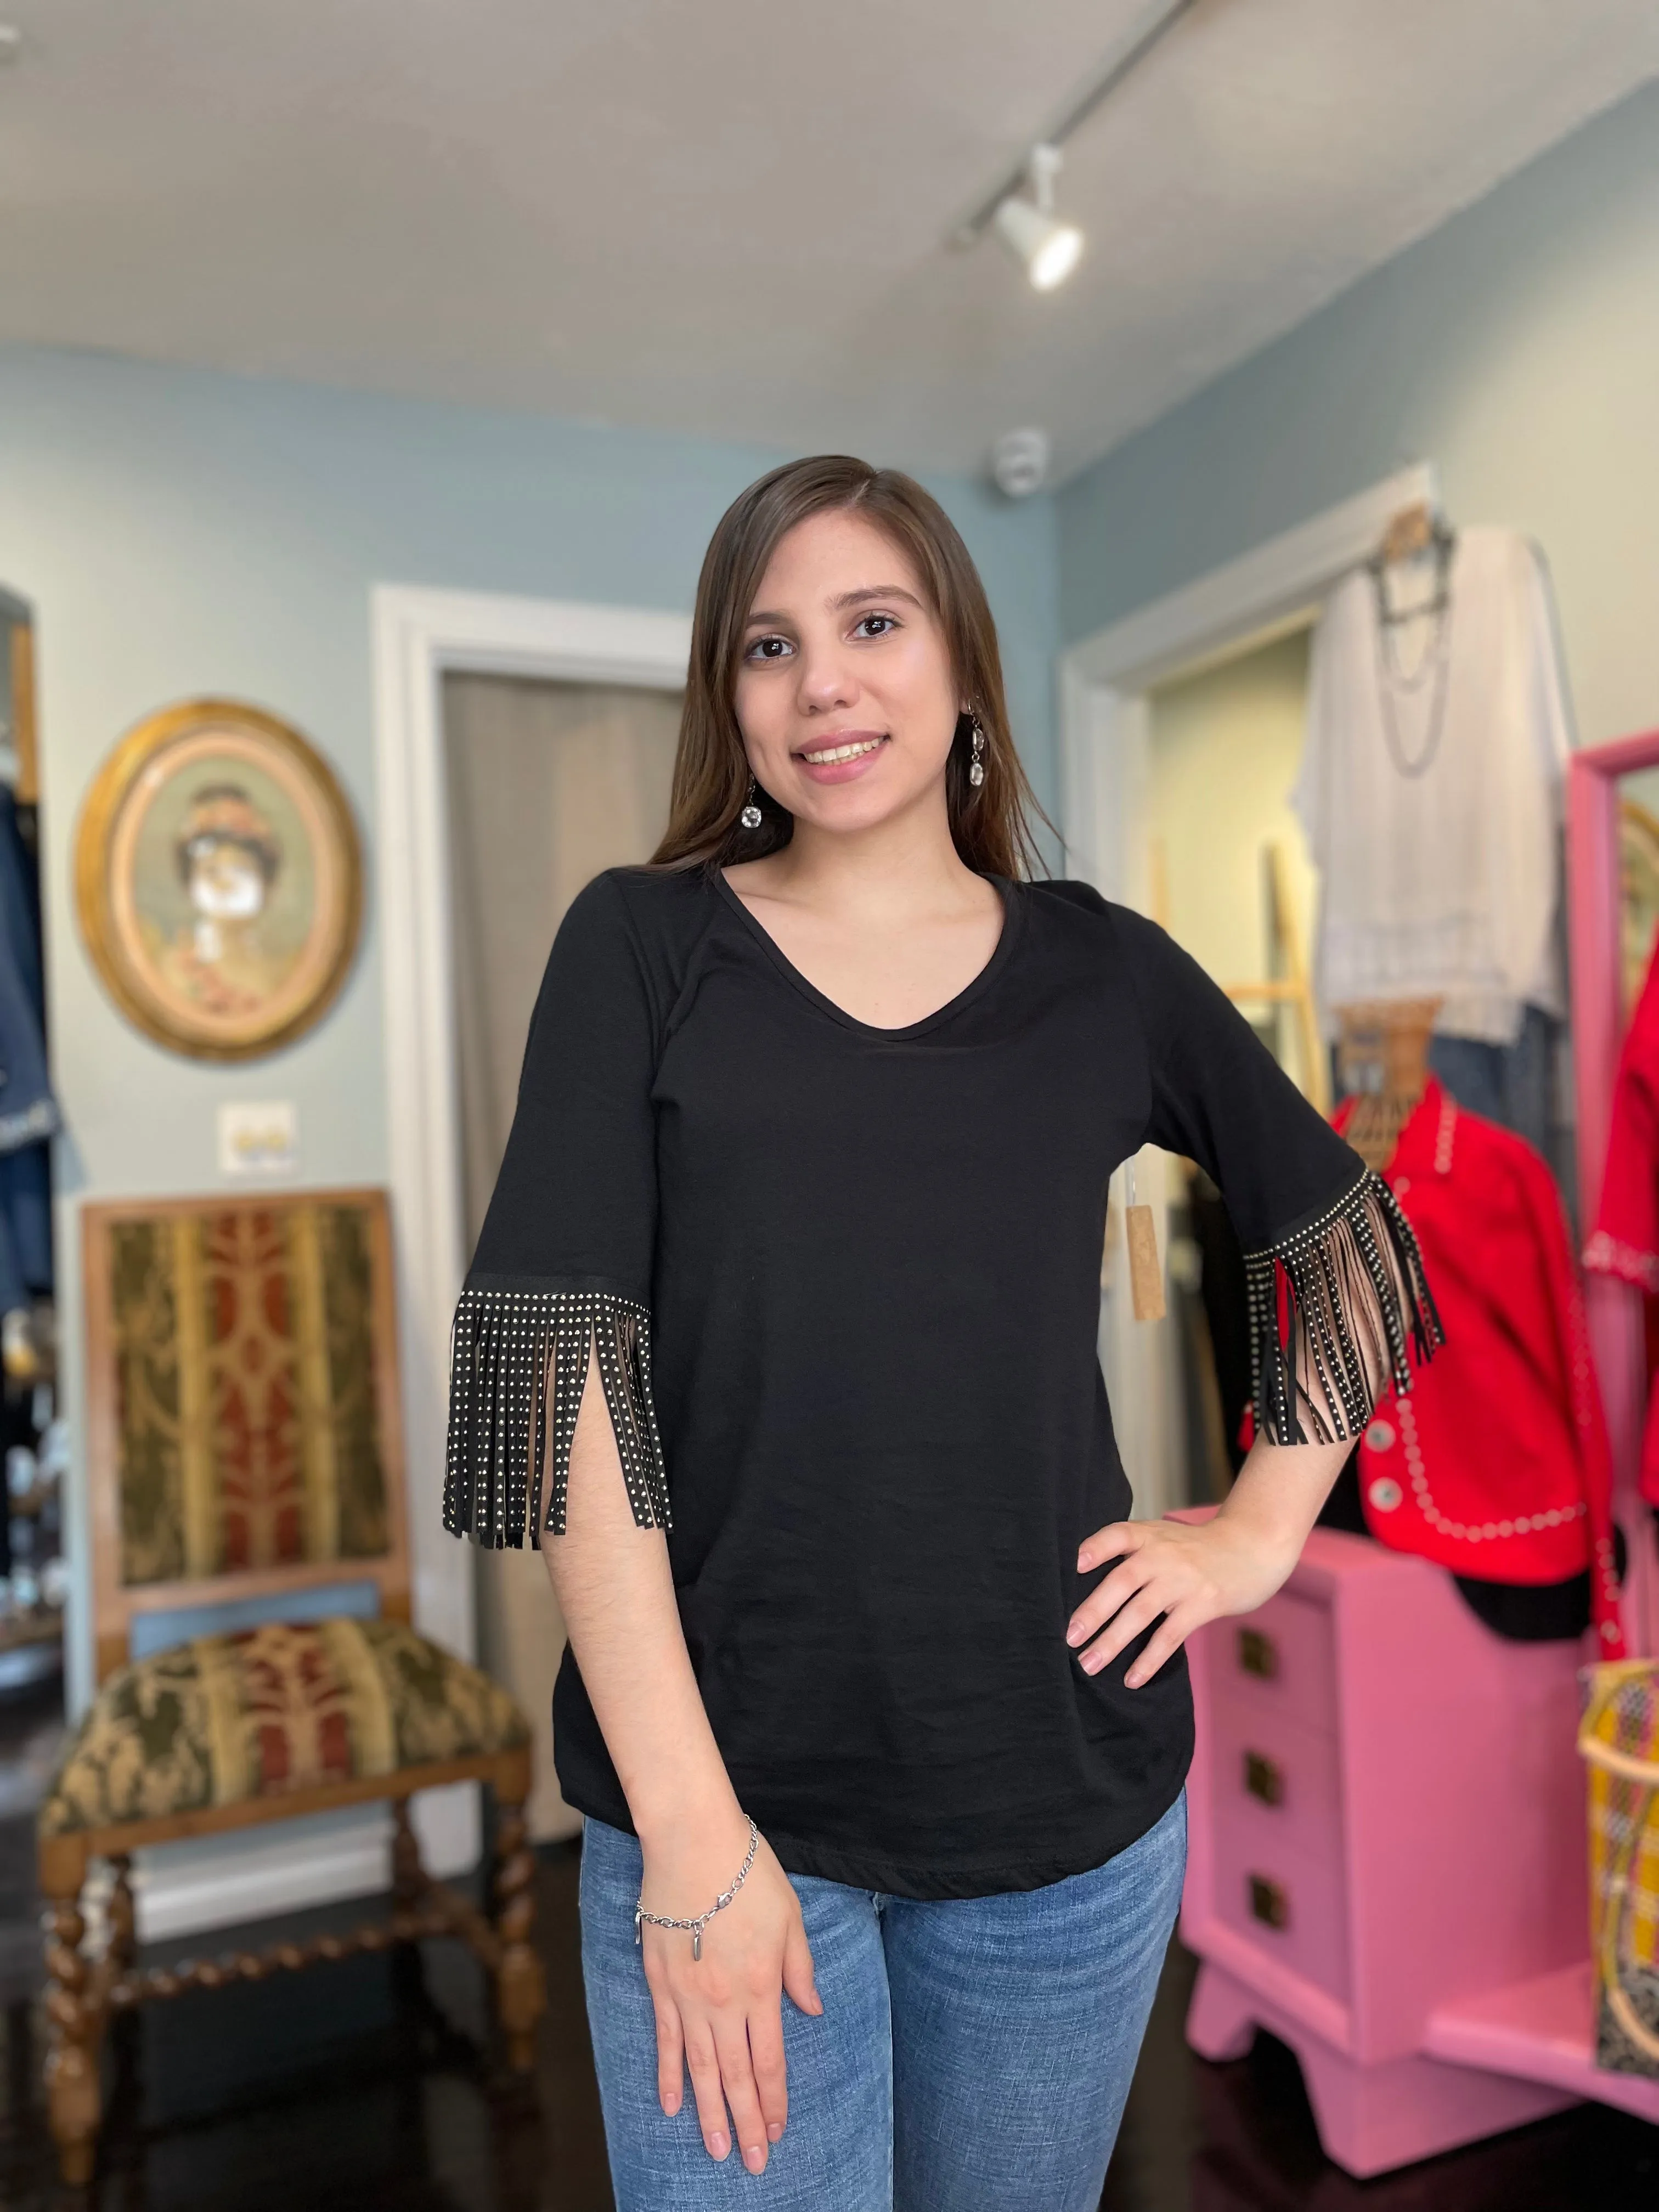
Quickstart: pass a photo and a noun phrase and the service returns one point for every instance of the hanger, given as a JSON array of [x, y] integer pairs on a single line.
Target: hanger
[[1383, 1064], [1412, 530]]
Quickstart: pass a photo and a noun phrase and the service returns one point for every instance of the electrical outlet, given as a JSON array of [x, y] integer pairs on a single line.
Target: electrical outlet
[[258, 1142]]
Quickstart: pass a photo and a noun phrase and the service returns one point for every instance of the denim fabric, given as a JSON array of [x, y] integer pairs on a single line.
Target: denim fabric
[[973, 2056], [1509, 1083]]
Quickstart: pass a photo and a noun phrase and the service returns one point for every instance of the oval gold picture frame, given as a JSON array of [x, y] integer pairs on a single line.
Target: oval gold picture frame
[[218, 880]]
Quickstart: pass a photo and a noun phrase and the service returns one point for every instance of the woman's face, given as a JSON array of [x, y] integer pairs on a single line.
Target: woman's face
[[845, 696], [225, 883]]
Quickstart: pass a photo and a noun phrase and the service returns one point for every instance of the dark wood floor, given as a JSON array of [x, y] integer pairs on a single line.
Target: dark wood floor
[[371, 2086]]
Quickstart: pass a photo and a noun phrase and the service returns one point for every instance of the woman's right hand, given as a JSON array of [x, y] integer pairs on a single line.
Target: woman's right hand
[[721, 2016]]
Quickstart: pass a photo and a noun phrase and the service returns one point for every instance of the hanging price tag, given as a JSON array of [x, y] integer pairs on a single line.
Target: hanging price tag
[[1145, 1276]]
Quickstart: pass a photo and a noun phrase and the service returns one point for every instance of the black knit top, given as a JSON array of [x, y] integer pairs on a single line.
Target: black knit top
[[844, 1287]]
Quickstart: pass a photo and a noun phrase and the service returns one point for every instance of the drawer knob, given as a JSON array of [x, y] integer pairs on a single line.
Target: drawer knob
[[1258, 1654], [1264, 1778], [1270, 1901]]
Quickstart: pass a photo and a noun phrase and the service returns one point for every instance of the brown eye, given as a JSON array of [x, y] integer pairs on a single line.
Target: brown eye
[[766, 648]]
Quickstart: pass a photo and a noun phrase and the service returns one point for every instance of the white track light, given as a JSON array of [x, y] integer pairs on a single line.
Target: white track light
[[1049, 249], [1034, 235]]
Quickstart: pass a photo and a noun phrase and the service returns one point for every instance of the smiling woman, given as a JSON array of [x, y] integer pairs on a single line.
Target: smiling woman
[[782, 1327], [733, 636]]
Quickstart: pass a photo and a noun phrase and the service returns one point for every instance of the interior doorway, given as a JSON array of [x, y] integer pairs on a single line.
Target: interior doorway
[[1109, 701], [548, 784], [1228, 869], [1228, 876], [421, 639]]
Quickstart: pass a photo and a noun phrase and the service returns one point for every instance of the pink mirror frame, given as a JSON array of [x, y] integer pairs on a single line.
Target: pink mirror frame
[[1613, 1309]]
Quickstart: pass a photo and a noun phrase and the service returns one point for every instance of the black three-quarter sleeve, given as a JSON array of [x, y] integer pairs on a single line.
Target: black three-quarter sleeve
[[564, 1258], [1339, 1300]]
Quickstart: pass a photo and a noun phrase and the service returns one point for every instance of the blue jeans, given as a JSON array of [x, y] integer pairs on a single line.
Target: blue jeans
[[973, 2055]]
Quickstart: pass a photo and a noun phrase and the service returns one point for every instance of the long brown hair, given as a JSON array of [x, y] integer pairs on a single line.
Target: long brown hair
[[990, 821]]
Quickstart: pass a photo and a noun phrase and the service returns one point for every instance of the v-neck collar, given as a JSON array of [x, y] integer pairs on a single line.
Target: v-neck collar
[[1013, 917]]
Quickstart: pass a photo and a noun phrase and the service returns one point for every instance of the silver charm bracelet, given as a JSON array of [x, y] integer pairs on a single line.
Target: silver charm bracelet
[[694, 1928]]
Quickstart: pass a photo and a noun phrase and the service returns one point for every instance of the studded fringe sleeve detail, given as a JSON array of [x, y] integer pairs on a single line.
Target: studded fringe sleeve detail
[[1337, 1311], [518, 1363]]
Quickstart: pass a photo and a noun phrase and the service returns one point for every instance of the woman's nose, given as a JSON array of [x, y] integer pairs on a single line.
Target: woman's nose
[[825, 680]]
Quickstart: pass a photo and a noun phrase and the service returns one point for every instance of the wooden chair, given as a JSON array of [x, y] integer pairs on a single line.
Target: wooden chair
[[244, 1452]]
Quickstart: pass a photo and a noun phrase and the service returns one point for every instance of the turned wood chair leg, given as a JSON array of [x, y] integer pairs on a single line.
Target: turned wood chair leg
[[408, 1875], [520, 1985], [123, 1919], [73, 2029], [121, 1951]]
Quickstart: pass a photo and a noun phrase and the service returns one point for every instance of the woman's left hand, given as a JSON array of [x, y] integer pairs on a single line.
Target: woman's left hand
[[1191, 1571], [1188, 1572]]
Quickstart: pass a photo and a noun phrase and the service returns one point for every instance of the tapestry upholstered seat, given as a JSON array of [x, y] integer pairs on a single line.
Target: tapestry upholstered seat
[[269, 1710], [244, 1464]]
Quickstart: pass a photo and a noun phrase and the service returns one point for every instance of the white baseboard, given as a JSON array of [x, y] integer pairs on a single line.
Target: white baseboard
[[183, 1889], [179, 1896]]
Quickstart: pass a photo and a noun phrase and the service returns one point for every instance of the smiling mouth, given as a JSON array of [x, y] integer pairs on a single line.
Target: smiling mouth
[[828, 756]]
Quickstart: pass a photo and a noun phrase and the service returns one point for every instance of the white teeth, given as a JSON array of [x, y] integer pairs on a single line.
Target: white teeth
[[842, 752]]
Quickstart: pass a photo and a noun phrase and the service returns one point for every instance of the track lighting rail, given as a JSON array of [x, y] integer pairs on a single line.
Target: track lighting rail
[[1077, 114]]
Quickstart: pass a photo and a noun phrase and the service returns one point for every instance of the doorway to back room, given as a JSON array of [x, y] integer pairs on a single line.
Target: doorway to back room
[[548, 784]]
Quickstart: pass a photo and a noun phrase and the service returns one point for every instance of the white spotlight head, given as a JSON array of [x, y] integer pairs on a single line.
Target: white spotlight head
[[1047, 246], [1019, 462], [1050, 249], [1032, 232]]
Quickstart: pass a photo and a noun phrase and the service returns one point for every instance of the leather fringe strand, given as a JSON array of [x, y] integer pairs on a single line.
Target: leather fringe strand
[[518, 1363], [1352, 1286]]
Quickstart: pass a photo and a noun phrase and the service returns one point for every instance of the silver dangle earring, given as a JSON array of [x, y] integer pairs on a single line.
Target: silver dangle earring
[[750, 816], [976, 766]]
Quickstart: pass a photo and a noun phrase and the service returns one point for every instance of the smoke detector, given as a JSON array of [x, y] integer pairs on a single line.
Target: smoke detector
[[1019, 462]]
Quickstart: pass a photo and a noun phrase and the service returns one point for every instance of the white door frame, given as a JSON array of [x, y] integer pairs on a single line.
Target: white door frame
[[419, 637], [1104, 721]]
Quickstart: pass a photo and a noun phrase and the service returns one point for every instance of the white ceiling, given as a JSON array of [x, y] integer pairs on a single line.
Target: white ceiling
[[730, 216]]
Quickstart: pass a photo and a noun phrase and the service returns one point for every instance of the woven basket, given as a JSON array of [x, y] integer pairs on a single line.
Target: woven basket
[[1619, 1740]]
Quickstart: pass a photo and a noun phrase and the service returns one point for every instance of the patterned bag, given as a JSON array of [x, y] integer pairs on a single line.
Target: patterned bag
[[1618, 1737]]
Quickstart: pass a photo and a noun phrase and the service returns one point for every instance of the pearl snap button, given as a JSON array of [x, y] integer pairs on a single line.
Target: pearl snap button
[[1385, 1493], [1379, 1436]]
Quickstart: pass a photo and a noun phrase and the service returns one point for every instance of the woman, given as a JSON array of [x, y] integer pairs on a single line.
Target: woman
[[783, 1322], [229, 857]]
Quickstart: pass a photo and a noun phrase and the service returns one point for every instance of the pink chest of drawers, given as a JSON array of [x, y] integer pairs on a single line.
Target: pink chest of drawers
[[1387, 1836]]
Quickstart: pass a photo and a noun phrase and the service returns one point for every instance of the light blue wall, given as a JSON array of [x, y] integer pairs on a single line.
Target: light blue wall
[[1517, 348], [180, 532]]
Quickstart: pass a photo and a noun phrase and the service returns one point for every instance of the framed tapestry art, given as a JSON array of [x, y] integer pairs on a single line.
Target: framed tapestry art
[[218, 880]]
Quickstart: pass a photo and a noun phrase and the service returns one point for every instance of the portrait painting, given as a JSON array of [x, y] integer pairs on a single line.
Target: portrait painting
[[218, 880]]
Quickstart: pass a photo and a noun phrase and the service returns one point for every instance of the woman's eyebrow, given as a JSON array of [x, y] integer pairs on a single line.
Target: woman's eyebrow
[[874, 592], [858, 598]]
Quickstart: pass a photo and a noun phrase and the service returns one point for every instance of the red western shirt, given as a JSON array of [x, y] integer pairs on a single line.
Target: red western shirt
[[1496, 1464]]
